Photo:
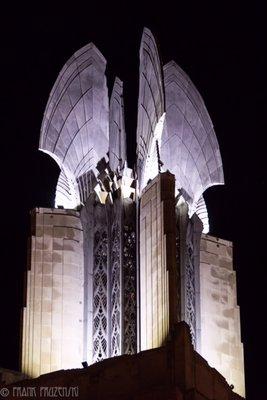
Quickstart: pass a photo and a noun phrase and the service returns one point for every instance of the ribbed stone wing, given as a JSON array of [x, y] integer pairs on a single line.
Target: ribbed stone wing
[[150, 101], [189, 147], [75, 125]]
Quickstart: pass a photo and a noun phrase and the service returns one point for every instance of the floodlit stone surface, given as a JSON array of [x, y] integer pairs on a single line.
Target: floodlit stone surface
[[53, 313], [221, 342], [172, 113], [189, 147], [134, 259], [117, 135], [158, 288], [80, 128], [150, 102], [75, 125]]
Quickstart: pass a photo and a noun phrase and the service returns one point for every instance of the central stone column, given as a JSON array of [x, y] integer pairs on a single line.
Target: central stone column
[[110, 277], [158, 277]]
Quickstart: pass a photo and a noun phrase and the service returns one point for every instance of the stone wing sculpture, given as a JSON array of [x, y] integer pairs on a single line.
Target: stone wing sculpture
[[74, 131], [189, 147], [150, 108]]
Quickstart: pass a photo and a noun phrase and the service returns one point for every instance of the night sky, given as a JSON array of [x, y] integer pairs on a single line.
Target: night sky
[[222, 47]]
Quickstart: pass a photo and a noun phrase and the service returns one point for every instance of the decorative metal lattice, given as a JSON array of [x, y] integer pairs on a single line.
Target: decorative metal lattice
[[100, 346], [178, 266], [190, 291], [130, 304], [115, 291]]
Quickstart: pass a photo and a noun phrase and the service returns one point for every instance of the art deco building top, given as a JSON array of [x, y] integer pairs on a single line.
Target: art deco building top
[[174, 130], [124, 258], [173, 120]]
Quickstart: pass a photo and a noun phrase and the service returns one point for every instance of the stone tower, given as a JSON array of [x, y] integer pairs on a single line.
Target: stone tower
[[125, 254]]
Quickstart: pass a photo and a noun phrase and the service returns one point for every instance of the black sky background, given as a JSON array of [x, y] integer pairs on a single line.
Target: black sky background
[[222, 47]]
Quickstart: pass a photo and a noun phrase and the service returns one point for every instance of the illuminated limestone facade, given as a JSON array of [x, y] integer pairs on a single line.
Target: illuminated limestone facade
[[53, 318], [158, 309], [219, 310], [124, 254]]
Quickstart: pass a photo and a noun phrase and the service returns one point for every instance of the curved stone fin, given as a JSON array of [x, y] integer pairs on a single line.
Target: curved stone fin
[[75, 124], [189, 145], [150, 101], [67, 195], [117, 135], [202, 213]]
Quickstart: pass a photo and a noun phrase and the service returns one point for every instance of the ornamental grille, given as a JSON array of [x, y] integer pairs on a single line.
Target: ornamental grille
[[130, 303], [115, 291], [114, 316], [190, 292], [100, 348]]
